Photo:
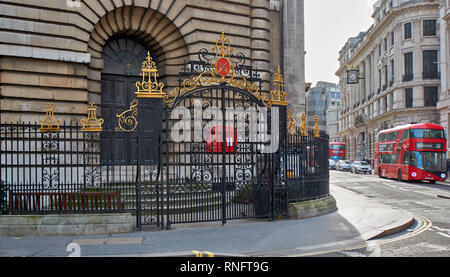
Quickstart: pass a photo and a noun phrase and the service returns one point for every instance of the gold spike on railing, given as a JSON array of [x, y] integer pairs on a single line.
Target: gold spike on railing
[[304, 128], [291, 123], [316, 127]]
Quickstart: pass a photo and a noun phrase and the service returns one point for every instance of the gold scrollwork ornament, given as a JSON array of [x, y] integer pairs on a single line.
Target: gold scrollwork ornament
[[127, 120], [222, 70]]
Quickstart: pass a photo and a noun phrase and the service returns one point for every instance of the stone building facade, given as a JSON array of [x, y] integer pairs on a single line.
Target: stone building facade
[[444, 99], [74, 52], [397, 59]]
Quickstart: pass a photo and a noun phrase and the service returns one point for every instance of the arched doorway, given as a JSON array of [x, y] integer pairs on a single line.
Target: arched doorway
[[123, 57]]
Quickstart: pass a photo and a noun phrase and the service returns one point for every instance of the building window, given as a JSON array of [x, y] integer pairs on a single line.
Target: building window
[[392, 38], [391, 83], [429, 27], [409, 67], [385, 77], [431, 96], [379, 81], [385, 44], [379, 50], [408, 30], [409, 97], [430, 64]]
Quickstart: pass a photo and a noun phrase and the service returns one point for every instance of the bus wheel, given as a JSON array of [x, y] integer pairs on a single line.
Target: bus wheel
[[432, 182], [399, 175]]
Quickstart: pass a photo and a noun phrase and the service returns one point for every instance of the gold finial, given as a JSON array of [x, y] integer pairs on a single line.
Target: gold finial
[[223, 46], [316, 127], [50, 124], [291, 123], [92, 123], [304, 128], [149, 87], [278, 95]]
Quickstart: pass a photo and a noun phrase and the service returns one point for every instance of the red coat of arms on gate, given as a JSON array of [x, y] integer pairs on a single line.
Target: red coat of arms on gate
[[223, 67]]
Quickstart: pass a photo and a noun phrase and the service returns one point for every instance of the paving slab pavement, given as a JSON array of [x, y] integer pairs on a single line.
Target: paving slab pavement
[[357, 220], [371, 218]]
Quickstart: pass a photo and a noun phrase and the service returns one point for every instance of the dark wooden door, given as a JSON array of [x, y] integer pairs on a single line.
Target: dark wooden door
[[117, 94], [123, 58]]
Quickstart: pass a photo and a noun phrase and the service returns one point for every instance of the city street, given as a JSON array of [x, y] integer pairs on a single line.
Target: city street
[[208, 128], [420, 198], [367, 206]]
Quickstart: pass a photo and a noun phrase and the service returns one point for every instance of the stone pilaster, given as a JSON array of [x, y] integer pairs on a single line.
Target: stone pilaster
[[362, 84], [368, 77], [399, 99], [390, 102], [418, 97], [376, 111], [294, 55]]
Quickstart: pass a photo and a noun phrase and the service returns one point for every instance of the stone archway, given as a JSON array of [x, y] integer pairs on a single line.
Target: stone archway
[[146, 25], [118, 45]]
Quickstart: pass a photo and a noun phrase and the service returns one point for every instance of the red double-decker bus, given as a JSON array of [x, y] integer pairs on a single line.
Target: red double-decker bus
[[412, 152], [337, 151]]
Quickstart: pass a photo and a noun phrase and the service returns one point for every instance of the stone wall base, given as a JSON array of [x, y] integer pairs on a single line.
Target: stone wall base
[[313, 208], [65, 225]]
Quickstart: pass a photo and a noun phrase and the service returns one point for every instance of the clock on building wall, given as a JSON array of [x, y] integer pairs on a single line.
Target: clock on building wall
[[353, 77]]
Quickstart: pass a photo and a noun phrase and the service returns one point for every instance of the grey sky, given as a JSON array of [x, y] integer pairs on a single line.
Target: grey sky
[[328, 26]]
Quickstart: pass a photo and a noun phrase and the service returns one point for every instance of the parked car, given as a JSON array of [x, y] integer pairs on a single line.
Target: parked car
[[332, 164], [344, 165], [361, 167]]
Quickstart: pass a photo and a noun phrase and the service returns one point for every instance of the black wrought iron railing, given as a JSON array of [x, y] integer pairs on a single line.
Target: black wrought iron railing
[[62, 173], [66, 172], [305, 168]]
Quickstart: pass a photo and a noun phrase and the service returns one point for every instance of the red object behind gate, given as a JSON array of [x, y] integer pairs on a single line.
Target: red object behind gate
[[214, 138]]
